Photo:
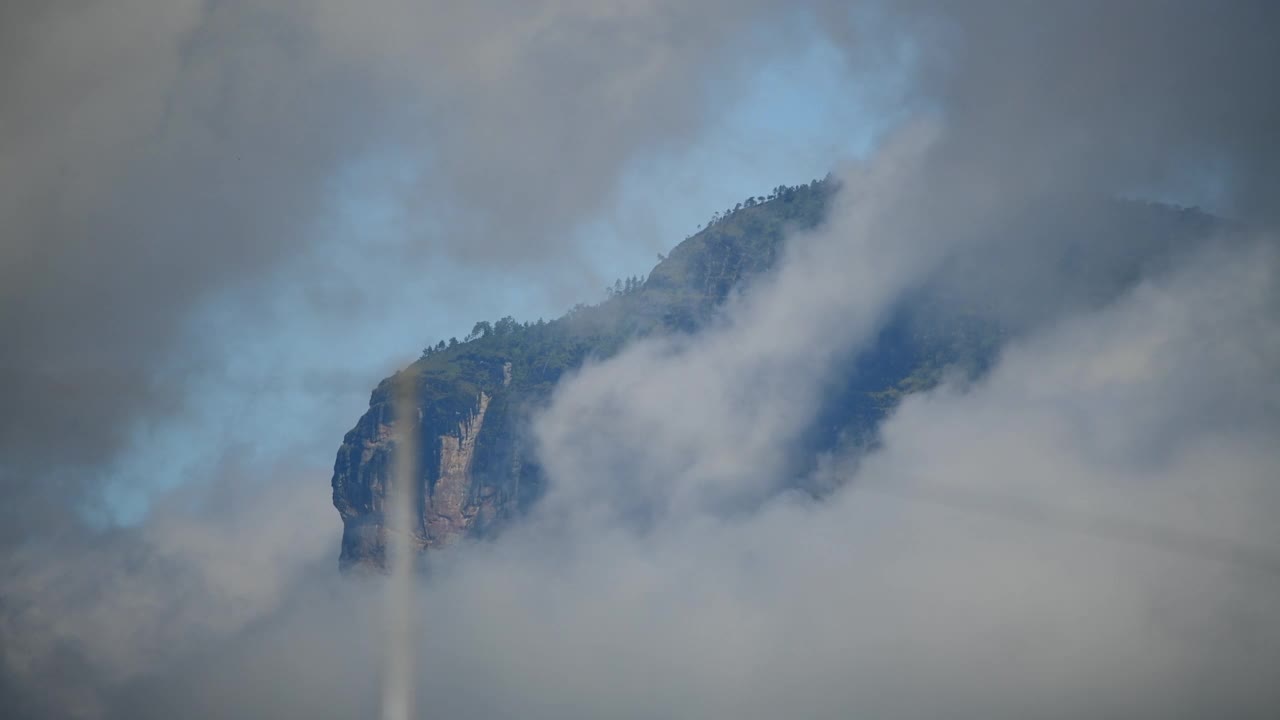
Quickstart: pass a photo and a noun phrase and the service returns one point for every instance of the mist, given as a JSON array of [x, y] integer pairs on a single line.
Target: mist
[[1084, 529]]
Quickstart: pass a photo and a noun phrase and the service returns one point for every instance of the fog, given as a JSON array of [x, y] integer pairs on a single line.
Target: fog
[[1087, 529]]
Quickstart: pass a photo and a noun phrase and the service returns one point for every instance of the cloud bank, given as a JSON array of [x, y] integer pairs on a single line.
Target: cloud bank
[[1086, 530]]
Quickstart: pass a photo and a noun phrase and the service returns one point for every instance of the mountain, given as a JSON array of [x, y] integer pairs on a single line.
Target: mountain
[[476, 463]]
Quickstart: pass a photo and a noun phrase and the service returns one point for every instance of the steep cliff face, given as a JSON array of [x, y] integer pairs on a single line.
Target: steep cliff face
[[466, 485]]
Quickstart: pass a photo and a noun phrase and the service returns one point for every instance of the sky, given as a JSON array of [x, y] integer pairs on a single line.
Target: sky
[[792, 122], [224, 222]]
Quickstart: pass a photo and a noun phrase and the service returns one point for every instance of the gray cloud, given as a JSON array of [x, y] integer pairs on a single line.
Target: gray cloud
[[83, 615], [1126, 96], [158, 155], [1085, 531], [149, 173]]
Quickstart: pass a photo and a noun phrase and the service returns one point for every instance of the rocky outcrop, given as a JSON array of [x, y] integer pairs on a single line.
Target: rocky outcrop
[[469, 465], [447, 510]]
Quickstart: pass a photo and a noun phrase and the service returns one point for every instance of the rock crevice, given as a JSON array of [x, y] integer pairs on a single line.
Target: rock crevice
[[447, 510]]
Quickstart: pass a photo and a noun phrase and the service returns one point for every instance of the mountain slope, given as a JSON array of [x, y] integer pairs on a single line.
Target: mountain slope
[[476, 461]]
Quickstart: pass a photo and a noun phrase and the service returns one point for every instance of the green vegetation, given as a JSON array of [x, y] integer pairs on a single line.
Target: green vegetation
[[679, 295]]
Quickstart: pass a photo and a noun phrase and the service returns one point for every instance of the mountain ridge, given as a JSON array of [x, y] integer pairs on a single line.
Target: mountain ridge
[[476, 462]]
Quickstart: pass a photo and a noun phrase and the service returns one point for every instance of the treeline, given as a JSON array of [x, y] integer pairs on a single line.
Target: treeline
[[484, 329], [624, 286], [785, 193], [506, 332]]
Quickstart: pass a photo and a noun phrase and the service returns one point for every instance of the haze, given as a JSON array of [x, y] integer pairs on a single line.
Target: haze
[[223, 222]]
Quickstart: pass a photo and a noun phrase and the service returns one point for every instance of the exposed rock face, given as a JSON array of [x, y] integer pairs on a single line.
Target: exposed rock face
[[475, 466], [469, 466], [446, 510]]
